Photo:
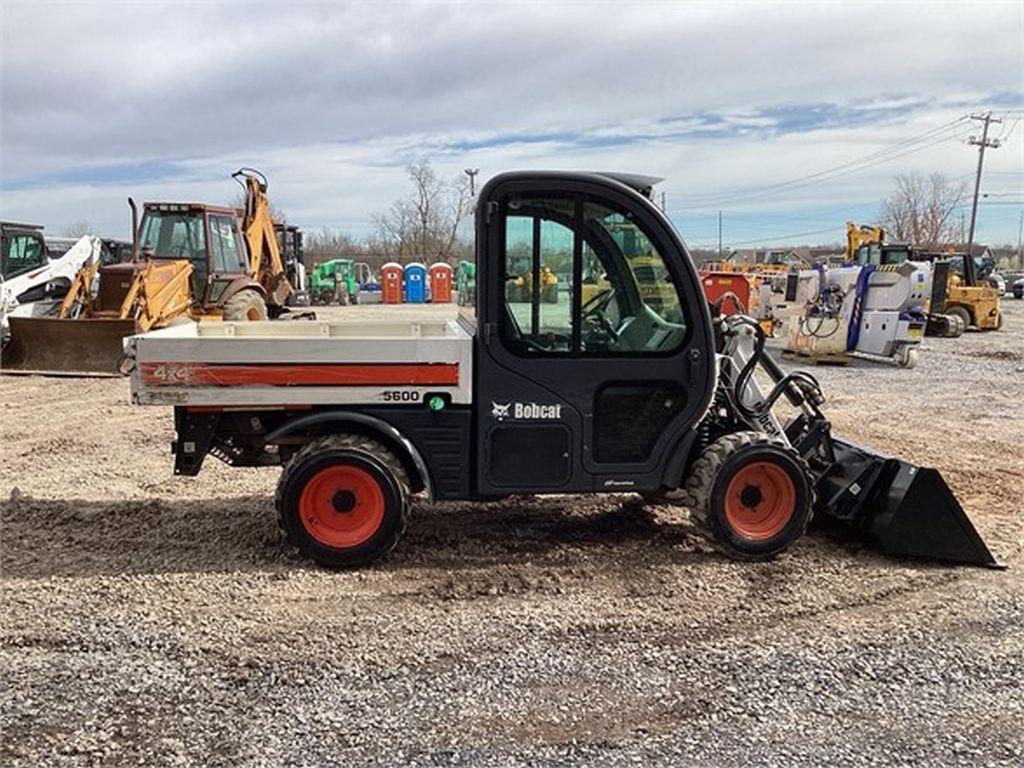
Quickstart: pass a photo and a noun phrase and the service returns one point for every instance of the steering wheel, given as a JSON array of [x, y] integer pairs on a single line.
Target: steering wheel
[[593, 313]]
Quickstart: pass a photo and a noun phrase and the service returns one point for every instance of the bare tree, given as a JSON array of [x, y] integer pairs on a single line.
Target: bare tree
[[424, 224], [327, 244], [920, 209], [77, 229]]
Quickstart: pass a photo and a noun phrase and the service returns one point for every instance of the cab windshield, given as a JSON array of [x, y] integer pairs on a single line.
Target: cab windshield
[[895, 255], [174, 235]]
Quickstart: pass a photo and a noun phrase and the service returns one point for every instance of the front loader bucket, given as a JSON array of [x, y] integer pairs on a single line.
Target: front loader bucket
[[908, 510], [55, 346]]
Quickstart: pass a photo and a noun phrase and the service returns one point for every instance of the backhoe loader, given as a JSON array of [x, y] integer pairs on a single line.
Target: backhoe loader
[[190, 261]]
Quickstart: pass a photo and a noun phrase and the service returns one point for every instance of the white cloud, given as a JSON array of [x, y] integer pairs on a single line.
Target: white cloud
[[332, 100]]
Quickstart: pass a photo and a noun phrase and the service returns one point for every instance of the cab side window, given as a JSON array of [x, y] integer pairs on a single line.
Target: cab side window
[[636, 260], [557, 248], [538, 275], [225, 245]]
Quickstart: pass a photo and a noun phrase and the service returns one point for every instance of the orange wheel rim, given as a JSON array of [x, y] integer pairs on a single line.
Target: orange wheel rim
[[760, 500], [341, 506]]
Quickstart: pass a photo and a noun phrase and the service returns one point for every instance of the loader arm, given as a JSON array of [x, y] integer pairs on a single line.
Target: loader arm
[[906, 509], [80, 291], [265, 263]]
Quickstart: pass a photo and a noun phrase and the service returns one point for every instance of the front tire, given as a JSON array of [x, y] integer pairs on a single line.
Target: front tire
[[751, 495], [906, 357], [247, 304], [343, 500], [962, 313]]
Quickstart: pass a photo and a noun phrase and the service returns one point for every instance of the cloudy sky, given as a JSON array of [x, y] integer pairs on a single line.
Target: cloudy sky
[[790, 118]]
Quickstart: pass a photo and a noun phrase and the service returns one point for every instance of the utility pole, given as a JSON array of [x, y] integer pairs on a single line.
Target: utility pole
[[1020, 242], [982, 145], [472, 172], [719, 235]]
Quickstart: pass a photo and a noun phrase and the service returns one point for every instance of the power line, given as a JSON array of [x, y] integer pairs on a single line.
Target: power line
[[899, 149], [784, 237], [849, 171]]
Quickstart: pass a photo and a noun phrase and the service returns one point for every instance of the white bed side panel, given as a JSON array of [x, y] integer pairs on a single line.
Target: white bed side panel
[[301, 363]]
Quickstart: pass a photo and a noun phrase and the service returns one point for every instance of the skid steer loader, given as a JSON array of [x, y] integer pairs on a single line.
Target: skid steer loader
[[190, 261], [526, 397], [33, 278]]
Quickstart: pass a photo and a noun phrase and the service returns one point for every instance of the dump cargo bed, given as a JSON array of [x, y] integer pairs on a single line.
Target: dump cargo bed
[[265, 364]]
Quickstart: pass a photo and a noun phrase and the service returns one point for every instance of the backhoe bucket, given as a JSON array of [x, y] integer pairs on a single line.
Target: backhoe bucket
[[908, 510], [54, 346]]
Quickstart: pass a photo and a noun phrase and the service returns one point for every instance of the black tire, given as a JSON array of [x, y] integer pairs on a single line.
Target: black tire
[[962, 313], [345, 453], [247, 304], [710, 478]]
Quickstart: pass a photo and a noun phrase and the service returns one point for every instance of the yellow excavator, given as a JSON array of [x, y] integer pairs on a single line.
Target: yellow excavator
[[190, 261]]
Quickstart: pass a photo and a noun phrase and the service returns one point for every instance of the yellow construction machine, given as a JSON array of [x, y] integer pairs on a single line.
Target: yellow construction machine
[[975, 303], [863, 236], [190, 261], [521, 287]]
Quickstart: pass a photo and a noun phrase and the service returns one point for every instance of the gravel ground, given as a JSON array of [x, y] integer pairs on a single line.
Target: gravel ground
[[154, 620]]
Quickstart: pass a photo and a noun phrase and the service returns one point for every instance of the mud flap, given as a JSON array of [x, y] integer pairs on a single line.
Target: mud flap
[[907, 510], [69, 347]]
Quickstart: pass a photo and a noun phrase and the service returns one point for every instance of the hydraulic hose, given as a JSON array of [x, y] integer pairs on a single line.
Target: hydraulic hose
[[781, 385]]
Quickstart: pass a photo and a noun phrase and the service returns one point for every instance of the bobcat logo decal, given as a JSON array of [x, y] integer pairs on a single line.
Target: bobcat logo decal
[[526, 411]]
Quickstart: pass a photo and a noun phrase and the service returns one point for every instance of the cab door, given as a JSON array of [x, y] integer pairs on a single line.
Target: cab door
[[226, 262], [595, 356]]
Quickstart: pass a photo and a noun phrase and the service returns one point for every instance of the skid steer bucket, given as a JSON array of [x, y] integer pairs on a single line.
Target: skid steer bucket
[[908, 510], [55, 346]]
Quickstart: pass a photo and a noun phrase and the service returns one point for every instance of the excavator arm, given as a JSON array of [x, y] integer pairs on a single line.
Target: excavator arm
[[265, 263], [862, 235]]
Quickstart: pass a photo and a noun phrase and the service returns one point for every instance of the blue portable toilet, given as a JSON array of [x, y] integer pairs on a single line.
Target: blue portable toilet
[[415, 283]]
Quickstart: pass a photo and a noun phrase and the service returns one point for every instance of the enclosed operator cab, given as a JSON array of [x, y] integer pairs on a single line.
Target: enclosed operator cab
[[207, 236], [591, 366], [574, 394], [23, 251]]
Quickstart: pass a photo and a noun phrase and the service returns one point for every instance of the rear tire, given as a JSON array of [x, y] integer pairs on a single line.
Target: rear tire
[[247, 304], [343, 500], [751, 495]]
